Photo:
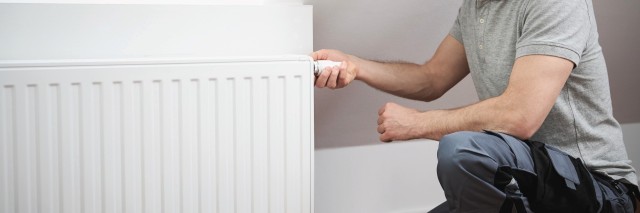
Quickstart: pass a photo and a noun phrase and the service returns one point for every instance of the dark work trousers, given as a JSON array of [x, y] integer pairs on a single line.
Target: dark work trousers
[[467, 165]]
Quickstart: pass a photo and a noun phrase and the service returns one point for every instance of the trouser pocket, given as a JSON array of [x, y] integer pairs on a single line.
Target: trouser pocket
[[563, 183], [615, 195]]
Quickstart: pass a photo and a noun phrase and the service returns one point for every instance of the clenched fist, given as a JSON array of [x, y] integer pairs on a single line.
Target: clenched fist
[[396, 122]]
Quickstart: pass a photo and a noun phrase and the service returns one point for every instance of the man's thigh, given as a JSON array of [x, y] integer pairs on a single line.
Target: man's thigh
[[467, 167], [468, 162], [499, 149]]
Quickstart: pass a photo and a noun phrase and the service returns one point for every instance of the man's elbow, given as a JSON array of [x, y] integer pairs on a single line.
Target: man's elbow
[[521, 126], [425, 94], [523, 132], [431, 89], [431, 96]]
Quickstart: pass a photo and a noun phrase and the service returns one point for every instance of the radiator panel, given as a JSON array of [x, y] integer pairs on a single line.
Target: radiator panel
[[168, 137]]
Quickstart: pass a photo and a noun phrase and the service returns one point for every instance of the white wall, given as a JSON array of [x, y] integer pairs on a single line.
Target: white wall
[[182, 2], [94, 31]]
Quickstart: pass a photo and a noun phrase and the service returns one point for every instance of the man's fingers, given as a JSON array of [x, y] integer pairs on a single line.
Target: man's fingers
[[321, 81], [390, 104], [381, 128], [385, 138], [382, 109], [333, 79], [346, 75], [320, 55]]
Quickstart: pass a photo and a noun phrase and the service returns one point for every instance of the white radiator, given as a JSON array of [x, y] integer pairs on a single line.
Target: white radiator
[[178, 135]]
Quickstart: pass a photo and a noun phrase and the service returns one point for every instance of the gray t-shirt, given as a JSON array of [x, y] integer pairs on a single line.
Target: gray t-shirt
[[496, 32]]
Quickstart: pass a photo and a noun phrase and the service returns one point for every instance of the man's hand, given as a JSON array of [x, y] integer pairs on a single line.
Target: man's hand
[[335, 77], [424, 82], [396, 122]]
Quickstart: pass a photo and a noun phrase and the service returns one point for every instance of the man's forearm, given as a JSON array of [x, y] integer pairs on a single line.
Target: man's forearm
[[403, 79], [494, 114], [534, 85], [427, 82]]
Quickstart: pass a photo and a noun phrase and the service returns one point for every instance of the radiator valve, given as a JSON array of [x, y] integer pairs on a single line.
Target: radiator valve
[[320, 65]]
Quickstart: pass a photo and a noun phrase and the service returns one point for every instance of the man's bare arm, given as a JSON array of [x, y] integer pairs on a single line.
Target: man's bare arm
[[534, 85], [424, 82]]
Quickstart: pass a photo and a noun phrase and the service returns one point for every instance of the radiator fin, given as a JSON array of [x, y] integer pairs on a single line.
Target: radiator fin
[[182, 140]]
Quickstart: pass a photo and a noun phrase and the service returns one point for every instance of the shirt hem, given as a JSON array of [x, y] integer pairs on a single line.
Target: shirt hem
[[550, 50]]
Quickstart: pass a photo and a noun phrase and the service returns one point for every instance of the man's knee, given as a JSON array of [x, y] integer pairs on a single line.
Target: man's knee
[[459, 150], [453, 143]]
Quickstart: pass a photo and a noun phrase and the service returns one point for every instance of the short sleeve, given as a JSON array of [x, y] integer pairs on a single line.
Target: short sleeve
[[558, 28], [456, 31]]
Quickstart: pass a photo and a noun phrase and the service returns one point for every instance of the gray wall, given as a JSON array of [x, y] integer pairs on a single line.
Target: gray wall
[[357, 173], [619, 27], [410, 30]]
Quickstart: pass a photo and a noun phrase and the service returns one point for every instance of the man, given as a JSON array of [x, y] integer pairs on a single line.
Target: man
[[540, 74]]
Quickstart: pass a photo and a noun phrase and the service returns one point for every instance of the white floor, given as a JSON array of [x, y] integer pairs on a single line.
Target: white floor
[[396, 177]]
